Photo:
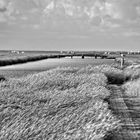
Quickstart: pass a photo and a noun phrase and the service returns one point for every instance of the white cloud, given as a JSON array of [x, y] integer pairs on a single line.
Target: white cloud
[[2, 4], [127, 8], [2, 18], [49, 7], [138, 10], [2, 11], [10, 9], [36, 26], [25, 18], [112, 11], [6, 10], [99, 13], [131, 34]]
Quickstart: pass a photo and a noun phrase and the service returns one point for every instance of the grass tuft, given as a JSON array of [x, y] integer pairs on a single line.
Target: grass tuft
[[132, 88], [133, 72], [117, 78], [2, 78]]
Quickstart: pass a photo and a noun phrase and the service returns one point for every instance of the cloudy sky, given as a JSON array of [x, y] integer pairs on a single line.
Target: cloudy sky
[[70, 24]]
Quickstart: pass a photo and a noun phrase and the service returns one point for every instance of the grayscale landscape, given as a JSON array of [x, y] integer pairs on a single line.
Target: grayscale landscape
[[69, 70]]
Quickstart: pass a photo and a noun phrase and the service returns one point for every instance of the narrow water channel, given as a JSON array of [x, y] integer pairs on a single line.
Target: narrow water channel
[[62, 62]]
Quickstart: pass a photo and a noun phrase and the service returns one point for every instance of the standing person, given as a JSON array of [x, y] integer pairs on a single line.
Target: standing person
[[122, 60]]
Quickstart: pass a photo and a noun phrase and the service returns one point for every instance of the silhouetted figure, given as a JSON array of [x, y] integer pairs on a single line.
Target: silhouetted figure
[[95, 56], [83, 56]]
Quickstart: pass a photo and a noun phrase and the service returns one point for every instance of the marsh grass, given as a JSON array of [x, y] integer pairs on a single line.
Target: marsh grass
[[133, 72], [2, 78], [132, 88], [132, 96], [62, 104], [117, 78], [17, 73], [19, 60], [114, 75], [26, 58]]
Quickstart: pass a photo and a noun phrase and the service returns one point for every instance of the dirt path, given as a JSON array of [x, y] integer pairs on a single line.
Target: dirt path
[[120, 109]]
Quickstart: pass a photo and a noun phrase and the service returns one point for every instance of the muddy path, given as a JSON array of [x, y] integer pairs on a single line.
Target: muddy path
[[117, 103]]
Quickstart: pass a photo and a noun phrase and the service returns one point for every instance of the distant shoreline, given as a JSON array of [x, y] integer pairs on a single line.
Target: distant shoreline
[[26, 59], [19, 59]]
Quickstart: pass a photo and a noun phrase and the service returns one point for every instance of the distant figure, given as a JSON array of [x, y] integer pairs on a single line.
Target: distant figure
[[122, 60], [83, 56], [95, 56]]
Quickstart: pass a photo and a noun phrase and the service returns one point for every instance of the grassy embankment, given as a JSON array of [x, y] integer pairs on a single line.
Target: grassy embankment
[[132, 94], [64, 103], [130, 90], [10, 59]]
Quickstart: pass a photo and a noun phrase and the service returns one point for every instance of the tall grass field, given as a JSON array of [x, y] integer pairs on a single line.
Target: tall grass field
[[66, 103], [59, 104]]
